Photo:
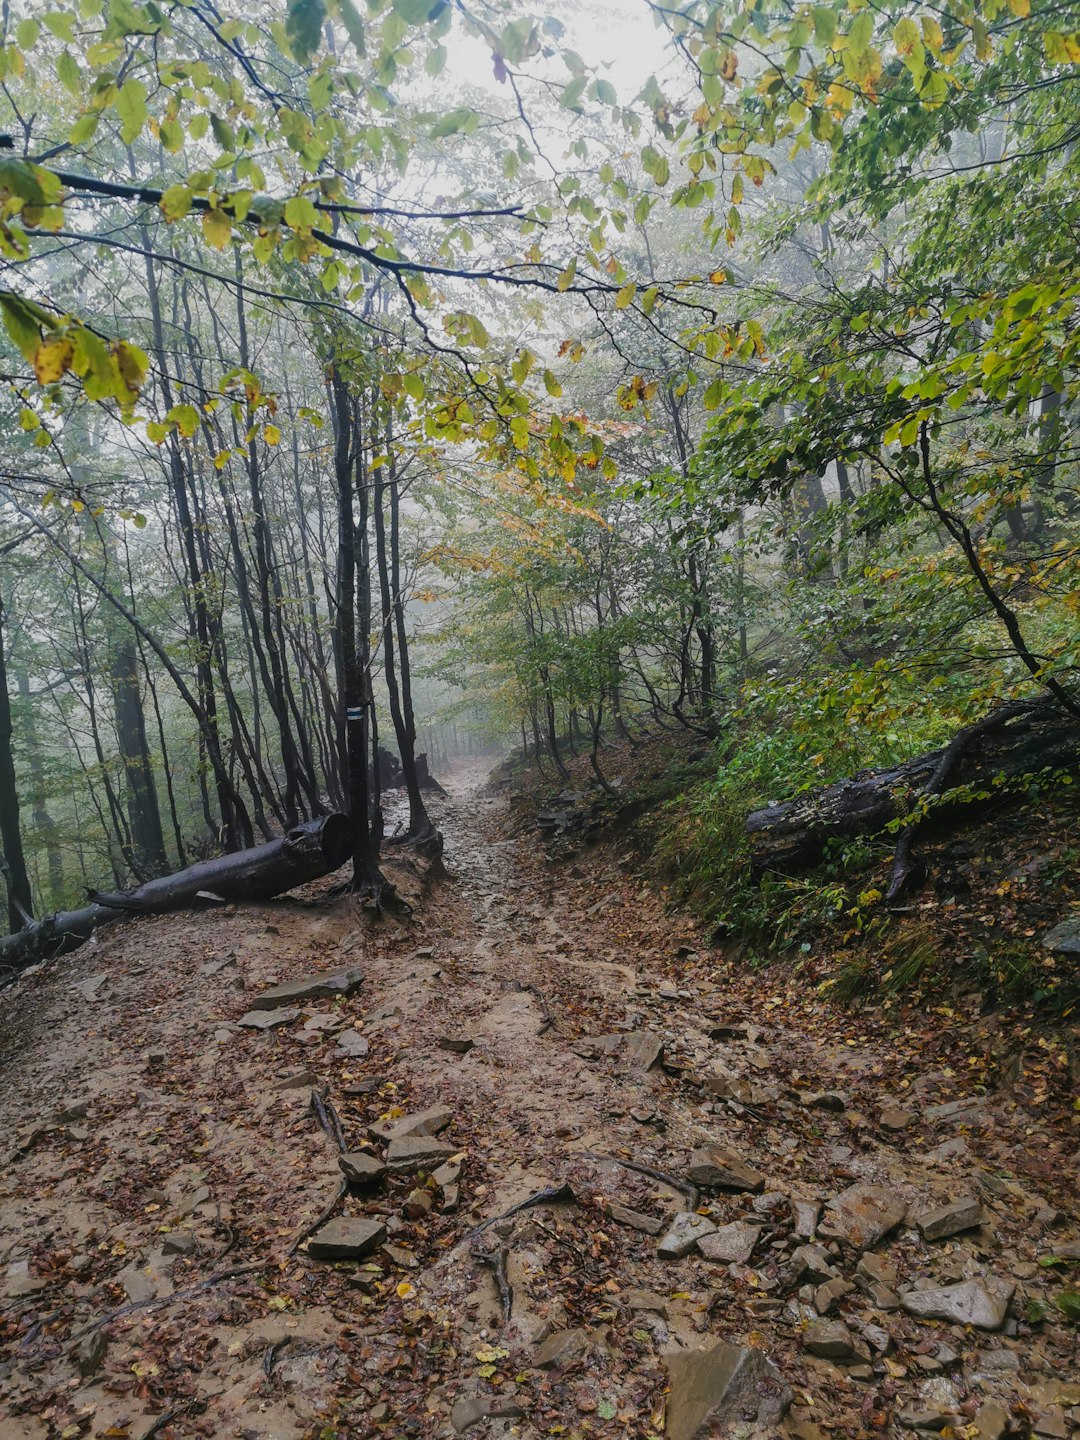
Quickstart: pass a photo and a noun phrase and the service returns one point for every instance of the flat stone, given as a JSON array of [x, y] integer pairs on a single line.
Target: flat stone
[[353, 1044], [636, 1049], [874, 1270], [685, 1231], [991, 1421], [732, 1244], [448, 1174], [812, 1262], [720, 1384], [862, 1215], [719, 1169], [729, 1087], [828, 1295], [982, 1303], [646, 1302], [647, 1224], [470, 1410], [311, 987], [89, 1353], [731, 1030], [267, 1019], [895, 1119], [951, 1219], [361, 1168], [804, 1216], [399, 1255], [299, 1080], [415, 1152], [830, 1339], [179, 1242], [431, 1121], [1064, 938], [347, 1238], [89, 987], [456, 1044], [561, 1349]]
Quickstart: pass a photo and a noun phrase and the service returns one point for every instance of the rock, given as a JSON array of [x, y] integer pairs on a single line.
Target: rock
[[410, 1153], [973, 1302], [951, 1219], [361, 1169], [352, 1043], [646, 1302], [1064, 938], [811, 1262], [769, 1203], [560, 1350], [451, 1199], [267, 1019], [74, 1109], [862, 1215], [470, 1410], [311, 987], [179, 1242], [991, 1421], [636, 1049], [719, 1384], [299, 1080], [418, 1203], [732, 1244], [825, 1100], [647, 1224], [729, 1087], [18, 1280], [448, 1174], [804, 1216], [895, 1119], [874, 1270], [431, 1121], [348, 1238], [89, 987], [1066, 1250], [456, 1044], [719, 1169], [937, 1407], [828, 1296], [685, 1231], [830, 1339], [398, 1255], [89, 1354], [737, 1030], [1053, 1424]]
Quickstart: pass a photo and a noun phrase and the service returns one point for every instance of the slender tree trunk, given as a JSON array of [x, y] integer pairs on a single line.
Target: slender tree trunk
[[20, 908]]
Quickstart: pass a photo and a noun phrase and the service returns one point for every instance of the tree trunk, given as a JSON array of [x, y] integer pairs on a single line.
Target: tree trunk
[[792, 836], [19, 902]]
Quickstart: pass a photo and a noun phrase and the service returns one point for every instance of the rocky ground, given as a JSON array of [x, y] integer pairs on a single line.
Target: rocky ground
[[539, 1163]]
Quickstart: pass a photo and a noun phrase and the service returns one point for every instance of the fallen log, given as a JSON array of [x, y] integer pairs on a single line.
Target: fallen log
[[305, 852], [984, 771]]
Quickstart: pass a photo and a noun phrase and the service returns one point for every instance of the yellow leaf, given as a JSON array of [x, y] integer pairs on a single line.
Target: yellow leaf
[[718, 277], [217, 227], [405, 1290], [271, 434], [625, 295], [52, 359]]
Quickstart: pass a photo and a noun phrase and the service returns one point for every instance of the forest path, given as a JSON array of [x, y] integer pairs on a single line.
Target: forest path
[[157, 1145]]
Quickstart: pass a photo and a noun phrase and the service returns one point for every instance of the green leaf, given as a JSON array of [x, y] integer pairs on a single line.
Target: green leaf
[[26, 34], [419, 12], [300, 213], [185, 418], [131, 109], [303, 27], [23, 321], [67, 72], [176, 202]]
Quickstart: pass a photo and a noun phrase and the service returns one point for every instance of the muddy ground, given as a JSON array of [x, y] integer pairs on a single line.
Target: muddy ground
[[162, 1162]]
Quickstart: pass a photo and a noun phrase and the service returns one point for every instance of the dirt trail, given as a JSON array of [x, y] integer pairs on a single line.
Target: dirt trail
[[156, 1149]]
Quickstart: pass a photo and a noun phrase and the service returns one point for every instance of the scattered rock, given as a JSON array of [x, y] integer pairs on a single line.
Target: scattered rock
[[89, 987], [729, 1087], [267, 1019], [830, 1339], [431, 1121], [74, 1109], [311, 987], [811, 1262], [991, 1421], [418, 1203], [719, 1169], [361, 1169], [804, 1215], [18, 1280], [647, 1224], [448, 1174], [828, 1296], [646, 1302], [89, 1354], [410, 1153], [636, 1049], [874, 1270], [862, 1215], [347, 1238], [561, 1350], [972, 1302], [825, 1100], [736, 1030], [951, 1219], [719, 1384], [732, 1244], [683, 1235], [456, 1044], [470, 1410], [398, 1255], [352, 1043]]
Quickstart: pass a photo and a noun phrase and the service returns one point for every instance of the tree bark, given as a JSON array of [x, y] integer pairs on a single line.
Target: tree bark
[[19, 902]]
